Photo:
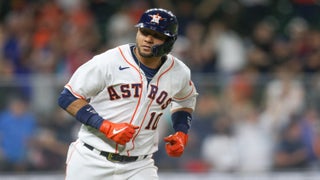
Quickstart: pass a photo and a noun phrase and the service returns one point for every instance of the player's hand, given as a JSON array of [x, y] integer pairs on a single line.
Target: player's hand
[[176, 143], [120, 133]]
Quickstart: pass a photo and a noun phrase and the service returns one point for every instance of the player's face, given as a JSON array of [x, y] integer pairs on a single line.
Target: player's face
[[145, 39]]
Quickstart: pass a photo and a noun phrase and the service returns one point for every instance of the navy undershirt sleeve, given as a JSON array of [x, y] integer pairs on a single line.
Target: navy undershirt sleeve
[[86, 115], [181, 121]]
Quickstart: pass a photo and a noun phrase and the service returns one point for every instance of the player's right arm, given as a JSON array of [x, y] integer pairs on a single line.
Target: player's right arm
[[121, 133]]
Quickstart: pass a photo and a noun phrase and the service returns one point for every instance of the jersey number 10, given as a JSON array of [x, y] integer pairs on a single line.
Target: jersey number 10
[[154, 120]]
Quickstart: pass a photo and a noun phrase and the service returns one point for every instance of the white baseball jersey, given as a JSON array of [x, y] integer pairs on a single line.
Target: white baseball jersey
[[119, 91]]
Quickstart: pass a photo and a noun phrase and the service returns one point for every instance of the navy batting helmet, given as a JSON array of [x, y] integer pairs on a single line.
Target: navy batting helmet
[[164, 22]]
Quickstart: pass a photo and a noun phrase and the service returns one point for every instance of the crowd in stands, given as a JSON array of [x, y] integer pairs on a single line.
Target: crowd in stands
[[256, 64]]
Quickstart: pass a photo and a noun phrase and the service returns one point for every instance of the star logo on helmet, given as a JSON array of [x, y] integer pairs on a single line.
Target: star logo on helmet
[[156, 18]]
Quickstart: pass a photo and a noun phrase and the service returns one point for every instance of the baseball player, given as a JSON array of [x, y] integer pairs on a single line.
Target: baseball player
[[119, 96]]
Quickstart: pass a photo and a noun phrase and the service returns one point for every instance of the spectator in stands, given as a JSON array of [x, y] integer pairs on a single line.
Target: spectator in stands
[[16, 43], [120, 28], [193, 44], [221, 39], [252, 13], [254, 143], [260, 46], [219, 149], [308, 9], [52, 141], [17, 128], [81, 37], [291, 152], [284, 97], [237, 95], [310, 132], [311, 64]]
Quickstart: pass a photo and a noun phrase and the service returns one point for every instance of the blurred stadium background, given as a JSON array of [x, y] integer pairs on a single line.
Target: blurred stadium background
[[256, 64]]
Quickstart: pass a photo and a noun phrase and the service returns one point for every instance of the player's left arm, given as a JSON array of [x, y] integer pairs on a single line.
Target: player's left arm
[[182, 109], [181, 120], [182, 106]]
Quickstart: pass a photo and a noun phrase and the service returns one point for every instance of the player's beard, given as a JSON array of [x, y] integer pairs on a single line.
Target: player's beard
[[144, 55]]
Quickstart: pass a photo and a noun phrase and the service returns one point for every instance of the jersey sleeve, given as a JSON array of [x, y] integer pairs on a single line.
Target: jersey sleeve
[[186, 97], [89, 79]]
